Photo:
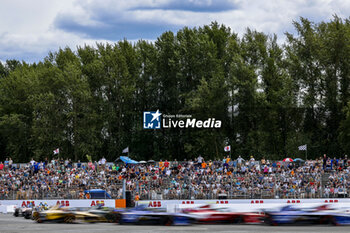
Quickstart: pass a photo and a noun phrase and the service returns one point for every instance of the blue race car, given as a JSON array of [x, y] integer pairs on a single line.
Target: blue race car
[[335, 216], [143, 215], [294, 215]]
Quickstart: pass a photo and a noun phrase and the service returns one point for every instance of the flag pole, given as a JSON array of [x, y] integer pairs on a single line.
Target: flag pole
[[306, 152]]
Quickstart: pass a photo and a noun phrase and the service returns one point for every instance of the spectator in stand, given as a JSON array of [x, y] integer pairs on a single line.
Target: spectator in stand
[[203, 165], [346, 162], [200, 159], [251, 161], [161, 164], [103, 162], [324, 161], [6, 163], [32, 162], [175, 163], [240, 161], [10, 163], [166, 164]]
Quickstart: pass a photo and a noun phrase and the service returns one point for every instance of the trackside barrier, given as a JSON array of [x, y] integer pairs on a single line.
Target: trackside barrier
[[244, 205], [70, 203], [241, 205], [120, 203], [6, 209]]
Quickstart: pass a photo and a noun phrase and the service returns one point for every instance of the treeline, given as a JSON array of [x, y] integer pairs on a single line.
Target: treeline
[[270, 97]]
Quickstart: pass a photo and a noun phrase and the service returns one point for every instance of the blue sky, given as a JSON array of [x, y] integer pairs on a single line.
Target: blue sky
[[29, 29]]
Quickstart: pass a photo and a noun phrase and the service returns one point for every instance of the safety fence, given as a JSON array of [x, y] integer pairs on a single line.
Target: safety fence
[[165, 193]]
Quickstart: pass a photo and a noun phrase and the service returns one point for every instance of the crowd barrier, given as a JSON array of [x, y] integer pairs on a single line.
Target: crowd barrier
[[114, 203], [241, 205], [244, 205]]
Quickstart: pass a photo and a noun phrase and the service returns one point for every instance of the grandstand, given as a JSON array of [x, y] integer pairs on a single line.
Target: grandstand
[[226, 179]]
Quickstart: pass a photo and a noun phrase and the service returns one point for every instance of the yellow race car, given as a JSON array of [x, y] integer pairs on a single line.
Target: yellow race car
[[65, 215]]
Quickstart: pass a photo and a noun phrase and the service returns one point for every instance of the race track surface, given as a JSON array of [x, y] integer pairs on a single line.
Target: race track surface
[[8, 224]]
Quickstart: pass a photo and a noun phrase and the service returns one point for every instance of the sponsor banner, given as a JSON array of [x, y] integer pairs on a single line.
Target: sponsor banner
[[153, 120], [70, 203], [247, 204]]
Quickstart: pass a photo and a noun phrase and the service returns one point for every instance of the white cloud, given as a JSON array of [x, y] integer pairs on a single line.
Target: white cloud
[[28, 29], [40, 43]]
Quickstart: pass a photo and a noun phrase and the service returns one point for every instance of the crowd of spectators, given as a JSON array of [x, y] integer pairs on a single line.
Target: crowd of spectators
[[56, 179], [241, 178], [192, 179]]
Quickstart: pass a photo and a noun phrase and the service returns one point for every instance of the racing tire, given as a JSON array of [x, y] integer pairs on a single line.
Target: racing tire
[[168, 221], [333, 221], [69, 219], [269, 221], [238, 220], [117, 218], [35, 216], [121, 221], [111, 218], [39, 220]]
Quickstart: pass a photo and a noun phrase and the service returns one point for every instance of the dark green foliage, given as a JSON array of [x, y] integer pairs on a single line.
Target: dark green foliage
[[270, 98]]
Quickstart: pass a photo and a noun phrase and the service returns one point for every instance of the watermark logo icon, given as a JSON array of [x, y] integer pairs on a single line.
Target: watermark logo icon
[[152, 120]]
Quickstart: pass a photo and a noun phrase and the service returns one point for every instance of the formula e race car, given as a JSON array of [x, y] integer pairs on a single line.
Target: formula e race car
[[317, 215], [66, 215], [143, 215], [341, 217], [28, 210], [106, 214], [215, 214], [23, 212]]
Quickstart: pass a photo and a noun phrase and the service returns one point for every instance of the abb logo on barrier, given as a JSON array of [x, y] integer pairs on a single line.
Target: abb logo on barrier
[[330, 201], [221, 202], [187, 202], [63, 203], [257, 202], [155, 204], [24, 203], [293, 201], [93, 203]]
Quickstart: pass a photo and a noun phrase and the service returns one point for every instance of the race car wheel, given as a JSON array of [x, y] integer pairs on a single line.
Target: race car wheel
[[35, 216], [117, 218], [237, 220], [168, 221], [27, 214], [121, 221], [333, 221], [111, 218], [39, 220], [69, 219], [269, 221]]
